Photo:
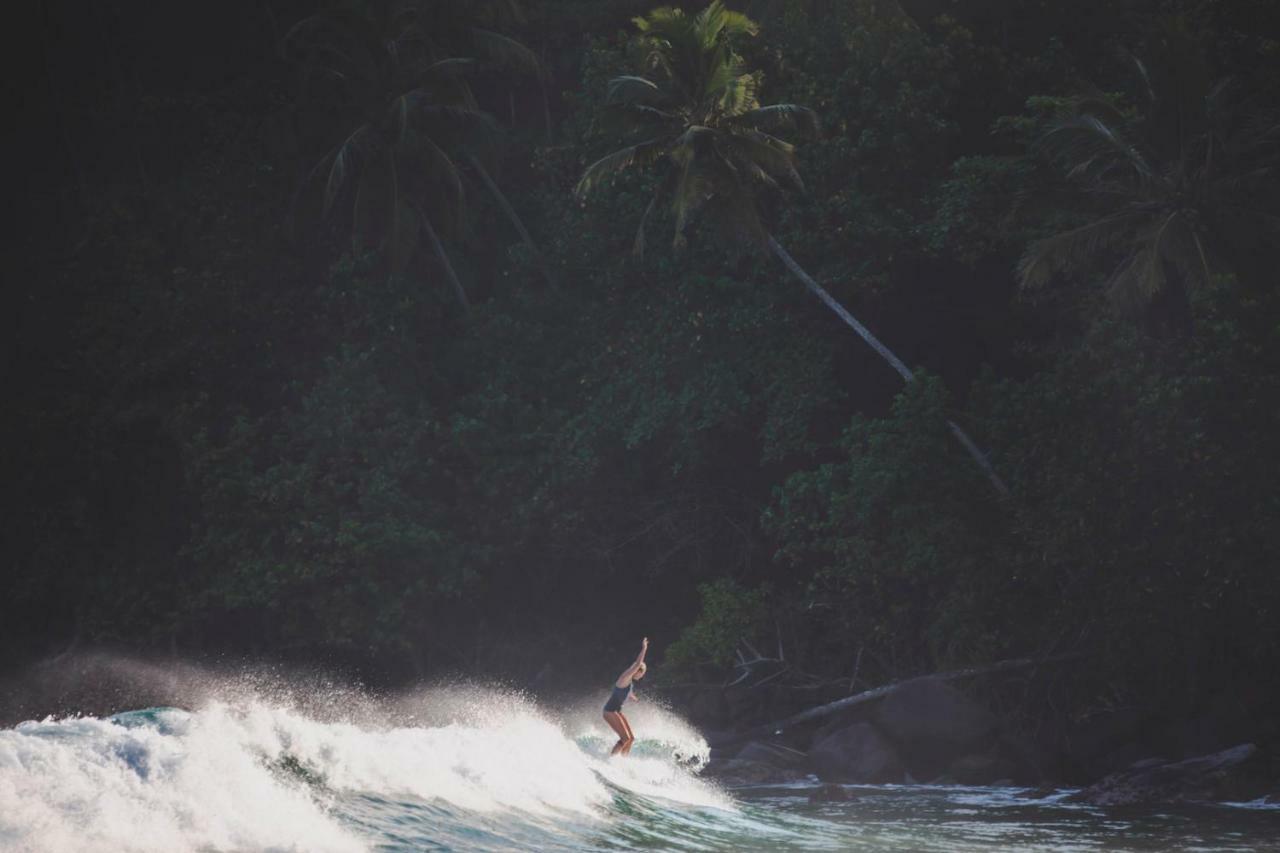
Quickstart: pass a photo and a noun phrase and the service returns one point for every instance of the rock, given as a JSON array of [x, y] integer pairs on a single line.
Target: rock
[[1153, 781], [831, 794], [856, 753], [736, 771], [772, 754], [933, 724]]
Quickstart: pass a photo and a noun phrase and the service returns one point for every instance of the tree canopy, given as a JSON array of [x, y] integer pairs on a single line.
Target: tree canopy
[[229, 436]]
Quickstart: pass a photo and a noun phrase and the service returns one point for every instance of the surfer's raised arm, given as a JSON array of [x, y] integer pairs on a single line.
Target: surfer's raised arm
[[638, 666]]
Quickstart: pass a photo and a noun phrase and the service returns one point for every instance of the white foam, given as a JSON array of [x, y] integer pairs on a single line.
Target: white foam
[[250, 774], [89, 784]]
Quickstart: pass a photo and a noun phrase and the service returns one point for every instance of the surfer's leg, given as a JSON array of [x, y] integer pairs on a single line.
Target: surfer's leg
[[618, 723], [630, 737]]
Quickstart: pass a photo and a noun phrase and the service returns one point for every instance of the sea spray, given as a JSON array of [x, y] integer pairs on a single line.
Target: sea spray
[[187, 782], [261, 759], [262, 764]]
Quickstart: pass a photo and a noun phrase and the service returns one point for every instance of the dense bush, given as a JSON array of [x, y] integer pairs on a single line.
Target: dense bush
[[227, 435]]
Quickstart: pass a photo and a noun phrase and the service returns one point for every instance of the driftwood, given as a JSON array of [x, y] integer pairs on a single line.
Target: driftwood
[[840, 705]]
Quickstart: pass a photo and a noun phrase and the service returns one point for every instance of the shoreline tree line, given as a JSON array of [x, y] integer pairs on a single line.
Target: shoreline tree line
[[337, 342]]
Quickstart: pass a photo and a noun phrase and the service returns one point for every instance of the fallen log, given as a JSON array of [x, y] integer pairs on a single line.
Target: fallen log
[[840, 705]]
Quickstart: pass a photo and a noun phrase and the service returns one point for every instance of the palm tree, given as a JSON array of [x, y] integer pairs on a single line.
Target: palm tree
[[697, 112], [1179, 185], [417, 118]]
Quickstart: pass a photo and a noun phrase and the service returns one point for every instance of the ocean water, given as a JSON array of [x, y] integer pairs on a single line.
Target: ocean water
[[465, 768]]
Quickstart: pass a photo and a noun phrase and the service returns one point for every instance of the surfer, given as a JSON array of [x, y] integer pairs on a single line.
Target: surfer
[[621, 693]]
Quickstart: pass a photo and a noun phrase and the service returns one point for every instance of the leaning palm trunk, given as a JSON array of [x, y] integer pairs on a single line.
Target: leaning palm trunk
[[887, 354], [454, 281], [514, 217]]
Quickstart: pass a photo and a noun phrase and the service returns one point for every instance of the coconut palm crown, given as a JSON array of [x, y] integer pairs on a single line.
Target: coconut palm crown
[[1170, 185], [415, 123], [696, 112]]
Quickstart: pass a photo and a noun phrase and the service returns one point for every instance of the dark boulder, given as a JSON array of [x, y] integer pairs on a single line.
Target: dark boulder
[[933, 724], [773, 754], [736, 771], [1153, 781], [856, 753]]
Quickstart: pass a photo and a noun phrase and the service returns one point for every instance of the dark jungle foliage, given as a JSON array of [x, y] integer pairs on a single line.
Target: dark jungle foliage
[[484, 434]]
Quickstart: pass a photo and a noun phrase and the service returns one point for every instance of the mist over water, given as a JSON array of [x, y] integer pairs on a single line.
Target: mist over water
[[257, 761]]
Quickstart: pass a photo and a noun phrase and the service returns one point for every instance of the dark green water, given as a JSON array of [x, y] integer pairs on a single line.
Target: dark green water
[[892, 818]]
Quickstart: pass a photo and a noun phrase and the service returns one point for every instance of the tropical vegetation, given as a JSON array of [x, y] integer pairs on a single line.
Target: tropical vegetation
[[331, 342]]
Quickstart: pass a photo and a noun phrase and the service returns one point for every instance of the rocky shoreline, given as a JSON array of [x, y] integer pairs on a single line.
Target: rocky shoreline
[[928, 731]]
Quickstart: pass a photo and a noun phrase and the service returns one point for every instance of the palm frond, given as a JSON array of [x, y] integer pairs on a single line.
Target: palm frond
[[1144, 78], [1180, 247], [639, 119], [640, 154], [737, 24], [772, 156], [1091, 148], [716, 22], [419, 104], [451, 66], [638, 244], [1073, 250], [661, 21], [643, 114], [685, 146], [506, 52], [345, 158], [1203, 270], [786, 116], [324, 42], [632, 89], [664, 187], [444, 171], [1138, 278], [736, 94]]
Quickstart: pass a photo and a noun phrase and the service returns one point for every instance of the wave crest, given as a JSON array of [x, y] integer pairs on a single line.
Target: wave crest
[[252, 773]]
